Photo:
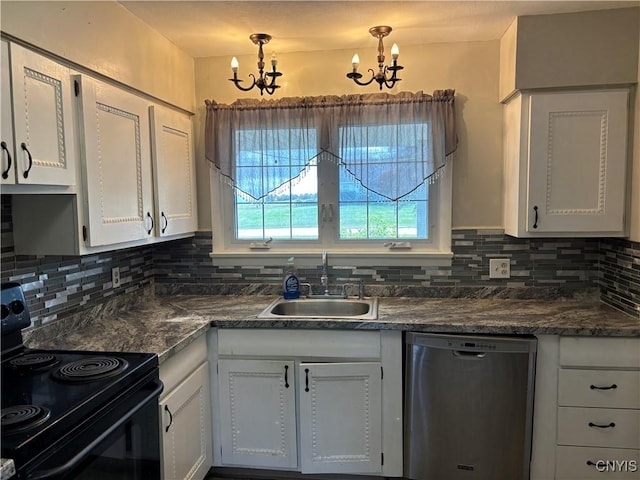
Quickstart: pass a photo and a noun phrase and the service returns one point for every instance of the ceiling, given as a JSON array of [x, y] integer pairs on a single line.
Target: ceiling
[[221, 28]]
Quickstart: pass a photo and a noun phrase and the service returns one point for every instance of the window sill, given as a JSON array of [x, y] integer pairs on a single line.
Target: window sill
[[308, 259]]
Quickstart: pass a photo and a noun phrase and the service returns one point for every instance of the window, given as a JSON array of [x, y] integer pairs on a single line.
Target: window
[[298, 180]]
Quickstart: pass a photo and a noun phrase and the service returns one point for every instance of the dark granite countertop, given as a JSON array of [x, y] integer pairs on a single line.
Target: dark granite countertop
[[166, 324]]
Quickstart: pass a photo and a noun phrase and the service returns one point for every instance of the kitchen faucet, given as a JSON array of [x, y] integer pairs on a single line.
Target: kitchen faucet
[[324, 279]]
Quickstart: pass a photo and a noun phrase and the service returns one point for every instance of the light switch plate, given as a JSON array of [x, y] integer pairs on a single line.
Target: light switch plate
[[499, 268]]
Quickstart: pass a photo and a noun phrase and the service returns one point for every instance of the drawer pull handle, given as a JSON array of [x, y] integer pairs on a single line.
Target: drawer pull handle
[[594, 387], [151, 227], [286, 376], [590, 463], [595, 425], [5, 174], [25, 174], [306, 379]]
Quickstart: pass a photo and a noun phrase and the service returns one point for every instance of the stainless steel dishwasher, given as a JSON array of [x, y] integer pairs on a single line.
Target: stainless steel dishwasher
[[468, 407]]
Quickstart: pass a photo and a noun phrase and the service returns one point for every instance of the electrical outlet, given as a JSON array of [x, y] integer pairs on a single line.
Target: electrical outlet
[[115, 277], [499, 268]]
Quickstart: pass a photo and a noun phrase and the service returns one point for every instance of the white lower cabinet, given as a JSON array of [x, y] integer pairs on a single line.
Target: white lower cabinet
[[587, 411], [340, 417], [185, 414], [185, 428], [258, 413], [288, 400]]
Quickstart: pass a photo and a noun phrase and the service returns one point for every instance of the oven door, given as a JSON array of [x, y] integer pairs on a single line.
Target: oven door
[[123, 442]]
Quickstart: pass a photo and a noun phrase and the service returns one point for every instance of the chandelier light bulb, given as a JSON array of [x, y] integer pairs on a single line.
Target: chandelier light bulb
[[234, 65], [395, 52], [355, 61], [274, 59]]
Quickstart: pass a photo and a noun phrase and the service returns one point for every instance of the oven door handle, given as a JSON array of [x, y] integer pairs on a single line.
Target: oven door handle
[[76, 459]]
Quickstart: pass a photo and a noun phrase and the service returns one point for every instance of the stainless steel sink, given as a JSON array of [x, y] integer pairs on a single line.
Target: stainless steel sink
[[366, 308]]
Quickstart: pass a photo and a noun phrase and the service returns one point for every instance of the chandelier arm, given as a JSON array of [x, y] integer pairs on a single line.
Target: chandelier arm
[[363, 84], [392, 80], [272, 83], [244, 89]]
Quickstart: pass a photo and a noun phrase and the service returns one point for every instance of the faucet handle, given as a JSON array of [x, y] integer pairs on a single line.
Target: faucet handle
[[309, 288], [360, 286]]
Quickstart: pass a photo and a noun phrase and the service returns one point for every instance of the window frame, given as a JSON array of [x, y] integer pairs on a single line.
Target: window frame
[[229, 251]]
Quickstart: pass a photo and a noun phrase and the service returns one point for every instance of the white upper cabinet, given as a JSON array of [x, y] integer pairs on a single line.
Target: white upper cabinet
[[174, 168], [42, 147], [565, 163], [117, 163], [7, 165]]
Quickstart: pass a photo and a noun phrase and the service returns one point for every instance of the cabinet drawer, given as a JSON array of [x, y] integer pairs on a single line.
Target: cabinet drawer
[[599, 427], [599, 388], [605, 463], [600, 352]]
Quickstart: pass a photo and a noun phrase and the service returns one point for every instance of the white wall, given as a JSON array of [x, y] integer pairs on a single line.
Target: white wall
[[106, 38], [471, 68]]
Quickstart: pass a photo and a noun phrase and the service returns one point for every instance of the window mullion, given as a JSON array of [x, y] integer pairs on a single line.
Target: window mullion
[[328, 194]]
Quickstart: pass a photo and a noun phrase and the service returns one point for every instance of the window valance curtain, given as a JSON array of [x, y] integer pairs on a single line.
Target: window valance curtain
[[390, 144]]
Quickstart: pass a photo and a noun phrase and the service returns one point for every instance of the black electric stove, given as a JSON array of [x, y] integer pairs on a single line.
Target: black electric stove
[[55, 401]]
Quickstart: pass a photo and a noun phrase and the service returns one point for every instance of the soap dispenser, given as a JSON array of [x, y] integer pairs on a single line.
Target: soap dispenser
[[290, 284]]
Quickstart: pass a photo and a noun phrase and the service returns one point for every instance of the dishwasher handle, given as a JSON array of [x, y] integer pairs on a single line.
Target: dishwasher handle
[[467, 355]]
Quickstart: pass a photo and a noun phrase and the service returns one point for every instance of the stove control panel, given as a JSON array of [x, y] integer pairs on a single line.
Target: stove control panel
[[15, 315]]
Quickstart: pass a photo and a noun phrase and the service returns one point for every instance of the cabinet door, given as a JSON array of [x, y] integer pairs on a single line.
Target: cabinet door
[[186, 428], [257, 407], [117, 158], [174, 171], [340, 417], [577, 162], [43, 122], [7, 161]]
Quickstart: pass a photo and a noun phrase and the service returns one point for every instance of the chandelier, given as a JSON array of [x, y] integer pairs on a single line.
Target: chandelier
[[386, 75], [265, 81]]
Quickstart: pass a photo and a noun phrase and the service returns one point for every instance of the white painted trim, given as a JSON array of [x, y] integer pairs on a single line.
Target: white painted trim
[[308, 258]]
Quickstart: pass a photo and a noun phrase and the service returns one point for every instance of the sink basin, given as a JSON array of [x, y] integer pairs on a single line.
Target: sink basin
[[366, 308]]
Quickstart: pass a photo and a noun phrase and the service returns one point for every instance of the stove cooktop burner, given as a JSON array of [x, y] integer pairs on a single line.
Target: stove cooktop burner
[[23, 417], [93, 368], [33, 361]]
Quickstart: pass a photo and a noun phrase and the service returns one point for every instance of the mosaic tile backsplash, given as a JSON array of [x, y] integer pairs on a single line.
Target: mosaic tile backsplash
[[59, 286], [63, 285]]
